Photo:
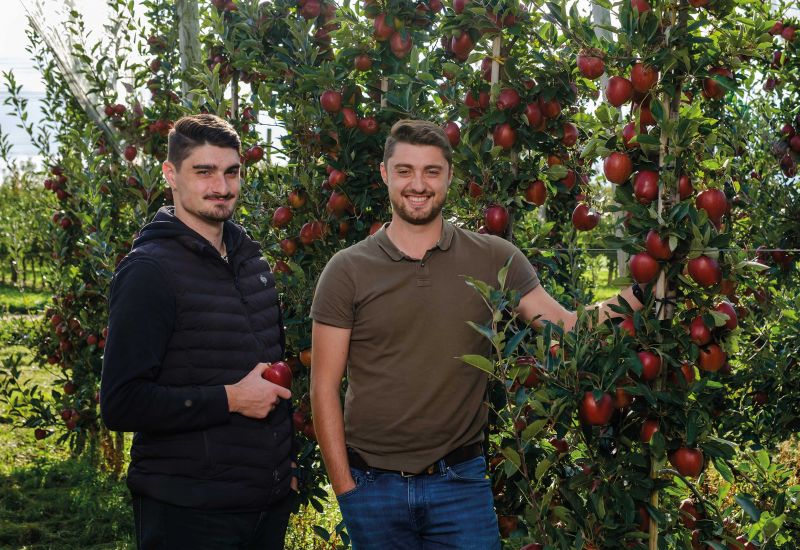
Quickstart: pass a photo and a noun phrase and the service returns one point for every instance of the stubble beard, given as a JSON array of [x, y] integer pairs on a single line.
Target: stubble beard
[[219, 213], [405, 215]]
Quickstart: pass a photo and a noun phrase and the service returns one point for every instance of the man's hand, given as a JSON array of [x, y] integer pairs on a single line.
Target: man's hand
[[346, 485], [254, 397]]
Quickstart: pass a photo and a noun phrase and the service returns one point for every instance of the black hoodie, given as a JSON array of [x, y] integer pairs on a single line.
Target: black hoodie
[[183, 323]]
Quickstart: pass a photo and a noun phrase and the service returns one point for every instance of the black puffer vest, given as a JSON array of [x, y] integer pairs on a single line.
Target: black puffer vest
[[227, 320]]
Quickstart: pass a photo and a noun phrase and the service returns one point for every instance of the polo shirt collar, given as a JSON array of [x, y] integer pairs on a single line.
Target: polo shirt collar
[[386, 244]]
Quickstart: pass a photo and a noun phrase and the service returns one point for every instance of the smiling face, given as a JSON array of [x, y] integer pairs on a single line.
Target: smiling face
[[417, 177], [205, 186]]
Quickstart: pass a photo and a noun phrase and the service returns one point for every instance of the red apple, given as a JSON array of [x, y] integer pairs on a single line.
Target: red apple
[[645, 186], [590, 66], [362, 62], [534, 115], [382, 31], [619, 90], [685, 188], [712, 358], [281, 217], [596, 412], [727, 308], [551, 108], [643, 268], [130, 153], [705, 271], [331, 101], [504, 135], [570, 137], [453, 132], [495, 218], [651, 365], [649, 427], [628, 326], [349, 118], [640, 6], [278, 373], [536, 193], [617, 167], [643, 77], [689, 513], [336, 178], [368, 125], [712, 89], [699, 333], [508, 98], [657, 247], [585, 218], [462, 46], [401, 43], [688, 462], [628, 133]]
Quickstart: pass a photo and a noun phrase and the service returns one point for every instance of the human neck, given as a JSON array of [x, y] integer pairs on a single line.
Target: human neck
[[414, 240], [210, 231]]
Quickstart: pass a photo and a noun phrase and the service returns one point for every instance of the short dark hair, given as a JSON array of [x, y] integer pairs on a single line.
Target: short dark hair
[[417, 132], [193, 131]]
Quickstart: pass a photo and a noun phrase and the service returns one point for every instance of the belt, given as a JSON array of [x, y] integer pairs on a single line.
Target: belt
[[452, 458]]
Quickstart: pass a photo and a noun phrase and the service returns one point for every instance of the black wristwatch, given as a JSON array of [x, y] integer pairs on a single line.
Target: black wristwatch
[[638, 293]]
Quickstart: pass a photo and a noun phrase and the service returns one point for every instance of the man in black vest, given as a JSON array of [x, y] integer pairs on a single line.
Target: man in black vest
[[194, 320]]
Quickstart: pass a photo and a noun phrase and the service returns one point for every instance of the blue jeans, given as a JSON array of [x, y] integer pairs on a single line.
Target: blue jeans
[[451, 508]]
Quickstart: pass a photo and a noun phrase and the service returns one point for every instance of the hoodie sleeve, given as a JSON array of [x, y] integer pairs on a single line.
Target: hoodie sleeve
[[141, 317]]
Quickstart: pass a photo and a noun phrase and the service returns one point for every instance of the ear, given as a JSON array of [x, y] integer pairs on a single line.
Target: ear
[[169, 170], [384, 175]]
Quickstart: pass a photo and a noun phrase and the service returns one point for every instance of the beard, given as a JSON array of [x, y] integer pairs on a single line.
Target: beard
[[220, 212], [417, 217]]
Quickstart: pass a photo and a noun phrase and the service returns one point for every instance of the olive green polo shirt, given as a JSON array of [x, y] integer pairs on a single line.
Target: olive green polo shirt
[[410, 400]]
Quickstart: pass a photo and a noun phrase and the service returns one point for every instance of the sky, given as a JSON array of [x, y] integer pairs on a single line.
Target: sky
[[13, 57]]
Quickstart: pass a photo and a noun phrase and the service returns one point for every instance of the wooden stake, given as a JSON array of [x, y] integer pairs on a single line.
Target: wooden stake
[[188, 42]]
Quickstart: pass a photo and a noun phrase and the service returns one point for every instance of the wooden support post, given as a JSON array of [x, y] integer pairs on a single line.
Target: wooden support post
[[384, 90], [188, 42]]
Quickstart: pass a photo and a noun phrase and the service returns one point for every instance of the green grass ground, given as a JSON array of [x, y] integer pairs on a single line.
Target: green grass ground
[[15, 300]]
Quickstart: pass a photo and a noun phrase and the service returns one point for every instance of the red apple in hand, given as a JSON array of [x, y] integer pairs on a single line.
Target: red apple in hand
[[278, 373]]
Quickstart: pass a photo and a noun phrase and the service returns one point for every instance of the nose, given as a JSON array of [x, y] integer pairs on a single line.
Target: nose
[[417, 183]]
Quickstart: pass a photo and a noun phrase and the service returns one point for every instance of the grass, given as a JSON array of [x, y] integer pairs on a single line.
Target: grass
[[16, 300]]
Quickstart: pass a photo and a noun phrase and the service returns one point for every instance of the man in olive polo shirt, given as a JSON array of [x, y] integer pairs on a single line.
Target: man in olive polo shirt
[[405, 459]]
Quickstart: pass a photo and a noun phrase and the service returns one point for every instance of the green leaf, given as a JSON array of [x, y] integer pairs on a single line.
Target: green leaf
[[512, 456], [723, 469], [533, 429], [514, 342], [746, 502], [485, 331], [542, 468], [479, 361], [502, 274]]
